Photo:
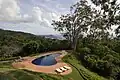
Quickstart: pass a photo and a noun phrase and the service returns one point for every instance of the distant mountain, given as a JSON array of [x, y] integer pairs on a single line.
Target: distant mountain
[[60, 37], [51, 36]]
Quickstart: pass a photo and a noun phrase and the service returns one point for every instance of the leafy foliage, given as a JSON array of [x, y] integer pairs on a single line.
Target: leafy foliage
[[83, 72], [31, 47], [102, 57], [22, 44], [78, 22]]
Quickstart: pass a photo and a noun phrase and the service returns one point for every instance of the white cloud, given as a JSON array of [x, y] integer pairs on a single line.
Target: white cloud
[[10, 12], [37, 14], [15, 15], [43, 17]]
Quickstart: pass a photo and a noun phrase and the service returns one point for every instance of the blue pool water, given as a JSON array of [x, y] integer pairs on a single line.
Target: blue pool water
[[46, 60]]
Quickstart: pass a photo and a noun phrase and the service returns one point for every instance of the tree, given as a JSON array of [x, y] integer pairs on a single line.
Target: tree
[[76, 23], [117, 32], [31, 47], [110, 12]]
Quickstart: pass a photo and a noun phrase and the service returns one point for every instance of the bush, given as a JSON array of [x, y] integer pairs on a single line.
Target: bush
[[99, 50], [117, 48], [90, 60], [31, 47], [84, 50], [103, 67], [112, 59]]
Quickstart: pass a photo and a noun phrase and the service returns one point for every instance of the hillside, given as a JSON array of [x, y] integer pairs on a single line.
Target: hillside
[[91, 57], [12, 43]]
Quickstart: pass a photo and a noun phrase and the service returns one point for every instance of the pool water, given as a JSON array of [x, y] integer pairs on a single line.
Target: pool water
[[46, 60]]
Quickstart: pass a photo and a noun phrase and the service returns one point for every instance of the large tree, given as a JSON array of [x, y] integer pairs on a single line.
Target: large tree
[[83, 20], [76, 23]]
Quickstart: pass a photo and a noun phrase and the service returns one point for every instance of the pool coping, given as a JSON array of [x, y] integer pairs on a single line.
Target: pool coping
[[28, 65]]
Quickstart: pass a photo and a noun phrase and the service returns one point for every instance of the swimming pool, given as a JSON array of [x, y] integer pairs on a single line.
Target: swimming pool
[[46, 60]]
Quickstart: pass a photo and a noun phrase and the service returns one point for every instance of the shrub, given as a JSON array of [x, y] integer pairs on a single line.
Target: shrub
[[90, 60], [98, 50], [31, 47], [117, 47], [84, 50]]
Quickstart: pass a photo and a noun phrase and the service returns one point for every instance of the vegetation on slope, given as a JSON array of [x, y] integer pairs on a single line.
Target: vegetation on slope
[[14, 44], [101, 57], [84, 74], [99, 51]]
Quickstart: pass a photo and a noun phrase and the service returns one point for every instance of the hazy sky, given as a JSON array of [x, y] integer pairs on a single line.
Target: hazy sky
[[33, 16]]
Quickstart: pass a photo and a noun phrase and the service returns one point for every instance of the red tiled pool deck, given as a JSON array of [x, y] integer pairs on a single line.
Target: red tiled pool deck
[[28, 65]]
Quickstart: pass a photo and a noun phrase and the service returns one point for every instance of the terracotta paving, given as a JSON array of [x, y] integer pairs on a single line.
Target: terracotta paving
[[27, 64]]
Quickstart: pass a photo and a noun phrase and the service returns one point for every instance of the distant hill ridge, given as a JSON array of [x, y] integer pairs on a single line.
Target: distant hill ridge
[[60, 37], [51, 36]]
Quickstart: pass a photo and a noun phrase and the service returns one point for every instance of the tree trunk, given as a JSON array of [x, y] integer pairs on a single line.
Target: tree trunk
[[74, 43]]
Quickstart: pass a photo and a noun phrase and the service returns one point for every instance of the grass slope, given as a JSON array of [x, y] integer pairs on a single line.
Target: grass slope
[[7, 72], [84, 73]]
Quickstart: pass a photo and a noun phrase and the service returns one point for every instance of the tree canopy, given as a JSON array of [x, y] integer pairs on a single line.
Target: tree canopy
[[86, 20]]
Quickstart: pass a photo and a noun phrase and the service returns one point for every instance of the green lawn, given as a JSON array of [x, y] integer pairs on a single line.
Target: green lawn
[[74, 75], [6, 66]]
